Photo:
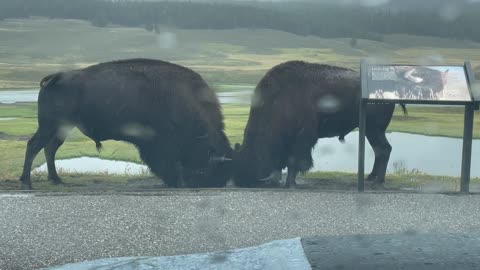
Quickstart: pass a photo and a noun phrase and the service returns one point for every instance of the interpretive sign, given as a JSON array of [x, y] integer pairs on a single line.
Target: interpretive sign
[[419, 84], [431, 84]]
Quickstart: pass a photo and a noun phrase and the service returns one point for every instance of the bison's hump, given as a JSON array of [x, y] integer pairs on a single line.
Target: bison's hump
[[303, 65], [143, 65], [140, 62]]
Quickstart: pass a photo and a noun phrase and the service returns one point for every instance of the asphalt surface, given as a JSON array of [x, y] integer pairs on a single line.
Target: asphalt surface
[[42, 230]]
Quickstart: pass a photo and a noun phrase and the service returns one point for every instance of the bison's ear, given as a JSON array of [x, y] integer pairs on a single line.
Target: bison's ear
[[237, 147]]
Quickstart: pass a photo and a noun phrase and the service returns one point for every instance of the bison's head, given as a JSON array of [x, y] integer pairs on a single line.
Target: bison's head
[[251, 168], [208, 163]]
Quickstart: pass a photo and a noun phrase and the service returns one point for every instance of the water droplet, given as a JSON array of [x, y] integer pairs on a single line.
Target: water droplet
[[137, 130], [373, 3], [64, 131], [410, 232], [219, 257], [167, 40], [450, 12], [328, 104], [256, 100], [327, 150]]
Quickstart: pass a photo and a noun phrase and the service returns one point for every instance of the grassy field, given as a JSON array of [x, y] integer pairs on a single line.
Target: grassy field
[[229, 60], [13, 133], [431, 121], [33, 48]]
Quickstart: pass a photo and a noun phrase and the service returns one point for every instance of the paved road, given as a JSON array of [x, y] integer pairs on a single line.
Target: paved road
[[45, 230]]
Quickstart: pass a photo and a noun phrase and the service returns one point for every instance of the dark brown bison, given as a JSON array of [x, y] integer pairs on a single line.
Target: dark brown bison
[[167, 111], [294, 105]]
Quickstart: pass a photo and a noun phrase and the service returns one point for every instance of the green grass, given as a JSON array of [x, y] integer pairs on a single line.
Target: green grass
[[232, 87], [32, 48], [420, 120], [82, 182], [406, 180], [439, 121], [433, 121]]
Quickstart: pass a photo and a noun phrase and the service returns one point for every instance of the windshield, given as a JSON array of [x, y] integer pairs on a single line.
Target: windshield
[[215, 134]]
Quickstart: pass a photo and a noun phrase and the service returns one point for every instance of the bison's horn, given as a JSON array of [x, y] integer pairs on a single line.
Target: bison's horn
[[273, 176], [219, 159]]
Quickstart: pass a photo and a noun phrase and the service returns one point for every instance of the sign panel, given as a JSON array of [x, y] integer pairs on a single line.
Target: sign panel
[[418, 83]]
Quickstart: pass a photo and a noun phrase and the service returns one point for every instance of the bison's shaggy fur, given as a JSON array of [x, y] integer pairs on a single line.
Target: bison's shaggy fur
[[167, 111], [293, 105]]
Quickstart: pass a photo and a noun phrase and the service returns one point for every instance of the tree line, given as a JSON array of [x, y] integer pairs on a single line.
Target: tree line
[[318, 19]]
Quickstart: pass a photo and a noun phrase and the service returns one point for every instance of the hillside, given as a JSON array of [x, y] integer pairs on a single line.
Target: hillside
[[33, 48]]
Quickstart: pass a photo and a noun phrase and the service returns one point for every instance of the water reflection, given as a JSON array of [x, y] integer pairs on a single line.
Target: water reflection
[[13, 96], [95, 165], [431, 155], [236, 97]]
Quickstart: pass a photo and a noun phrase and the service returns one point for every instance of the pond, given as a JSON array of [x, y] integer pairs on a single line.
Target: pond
[[432, 155], [13, 96], [7, 118], [428, 154], [235, 97], [96, 165]]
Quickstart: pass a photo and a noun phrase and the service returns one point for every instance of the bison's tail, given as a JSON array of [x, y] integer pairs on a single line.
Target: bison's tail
[[404, 108], [50, 79], [99, 146]]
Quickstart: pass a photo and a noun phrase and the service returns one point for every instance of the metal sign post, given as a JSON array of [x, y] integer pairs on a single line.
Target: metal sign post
[[467, 134], [362, 126]]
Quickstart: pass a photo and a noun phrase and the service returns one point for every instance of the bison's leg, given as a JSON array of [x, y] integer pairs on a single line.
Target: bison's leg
[[292, 175], [34, 145], [382, 150], [50, 151], [180, 178], [173, 176], [300, 159]]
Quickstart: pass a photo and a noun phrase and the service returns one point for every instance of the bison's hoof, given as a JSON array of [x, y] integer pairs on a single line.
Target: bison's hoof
[[26, 186], [378, 185], [57, 181], [291, 186]]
